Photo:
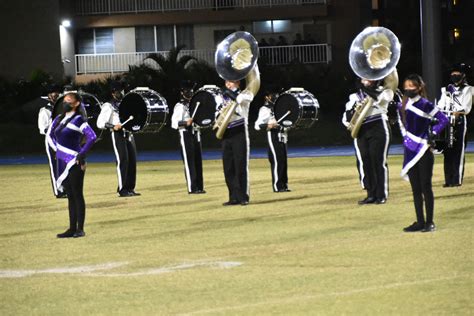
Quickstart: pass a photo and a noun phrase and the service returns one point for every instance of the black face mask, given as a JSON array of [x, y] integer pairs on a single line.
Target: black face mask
[[118, 95], [456, 78], [187, 94], [411, 93], [67, 107]]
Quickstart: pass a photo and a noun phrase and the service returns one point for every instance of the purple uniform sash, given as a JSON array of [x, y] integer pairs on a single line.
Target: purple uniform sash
[[419, 114]]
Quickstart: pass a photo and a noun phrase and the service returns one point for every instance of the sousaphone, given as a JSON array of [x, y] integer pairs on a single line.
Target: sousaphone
[[236, 58], [374, 55]]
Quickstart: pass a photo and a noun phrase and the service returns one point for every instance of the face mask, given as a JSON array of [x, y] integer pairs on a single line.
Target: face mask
[[188, 94], [456, 78], [411, 93], [67, 107], [118, 95]]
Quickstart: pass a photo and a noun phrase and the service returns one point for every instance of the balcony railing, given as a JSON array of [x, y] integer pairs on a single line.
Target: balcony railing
[[272, 55], [101, 7]]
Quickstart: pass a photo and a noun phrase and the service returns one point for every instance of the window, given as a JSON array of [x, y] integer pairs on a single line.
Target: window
[[164, 37], [95, 41], [104, 41], [272, 26], [185, 36], [145, 38], [85, 41]]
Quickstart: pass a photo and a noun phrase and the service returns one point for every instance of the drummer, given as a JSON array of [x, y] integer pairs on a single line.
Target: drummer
[[122, 141], [189, 140], [277, 137]]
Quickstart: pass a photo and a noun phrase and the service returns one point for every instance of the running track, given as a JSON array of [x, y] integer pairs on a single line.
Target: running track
[[210, 154]]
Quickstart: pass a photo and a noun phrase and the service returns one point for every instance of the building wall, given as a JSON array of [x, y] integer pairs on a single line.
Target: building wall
[[30, 38], [67, 51]]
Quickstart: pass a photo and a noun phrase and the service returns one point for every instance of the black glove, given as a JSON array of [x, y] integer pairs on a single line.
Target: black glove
[[431, 138], [81, 158], [371, 92], [231, 94], [263, 126], [182, 123]]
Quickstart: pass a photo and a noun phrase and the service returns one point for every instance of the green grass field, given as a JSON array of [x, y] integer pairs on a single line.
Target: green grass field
[[311, 251]]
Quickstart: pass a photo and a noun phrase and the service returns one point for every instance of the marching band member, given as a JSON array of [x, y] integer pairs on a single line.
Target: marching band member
[[372, 142], [190, 140], [456, 100], [416, 116], [122, 141], [236, 145], [44, 121], [277, 137], [64, 136]]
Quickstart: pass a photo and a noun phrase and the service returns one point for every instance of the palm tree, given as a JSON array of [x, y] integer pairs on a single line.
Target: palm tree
[[171, 68]]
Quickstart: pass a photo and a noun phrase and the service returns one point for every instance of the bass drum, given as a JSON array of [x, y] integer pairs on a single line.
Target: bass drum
[[203, 105], [90, 104], [148, 108], [296, 108]]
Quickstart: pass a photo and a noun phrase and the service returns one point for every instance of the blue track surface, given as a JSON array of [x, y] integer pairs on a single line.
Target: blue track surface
[[211, 154]]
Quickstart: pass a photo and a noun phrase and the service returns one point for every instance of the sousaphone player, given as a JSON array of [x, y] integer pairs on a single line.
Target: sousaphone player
[[373, 56], [236, 58]]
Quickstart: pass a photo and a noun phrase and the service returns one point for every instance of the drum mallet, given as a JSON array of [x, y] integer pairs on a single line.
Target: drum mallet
[[127, 120], [195, 109], [281, 118]]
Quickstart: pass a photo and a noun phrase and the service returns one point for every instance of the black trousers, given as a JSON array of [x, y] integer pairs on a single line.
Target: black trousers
[[191, 153], [277, 154], [52, 168], [372, 146], [420, 179], [126, 156], [235, 156], [454, 158], [74, 185]]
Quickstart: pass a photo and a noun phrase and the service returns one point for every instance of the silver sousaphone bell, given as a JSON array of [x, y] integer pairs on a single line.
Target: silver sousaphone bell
[[374, 53]]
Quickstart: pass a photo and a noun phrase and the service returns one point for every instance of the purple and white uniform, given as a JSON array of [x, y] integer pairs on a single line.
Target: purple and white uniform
[[419, 113], [65, 136]]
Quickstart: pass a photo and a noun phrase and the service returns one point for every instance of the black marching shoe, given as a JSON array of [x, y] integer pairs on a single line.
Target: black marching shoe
[[61, 195], [124, 193], [135, 193], [415, 227], [429, 227], [197, 192], [244, 203], [283, 190], [447, 185], [67, 234], [231, 202], [380, 201], [79, 233], [367, 200]]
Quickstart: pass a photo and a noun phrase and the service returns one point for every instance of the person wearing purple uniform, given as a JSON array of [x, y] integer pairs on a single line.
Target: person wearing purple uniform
[[65, 136], [419, 119]]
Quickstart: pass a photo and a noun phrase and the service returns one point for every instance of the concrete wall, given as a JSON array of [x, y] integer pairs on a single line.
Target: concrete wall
[[30, 37], [67, 51]]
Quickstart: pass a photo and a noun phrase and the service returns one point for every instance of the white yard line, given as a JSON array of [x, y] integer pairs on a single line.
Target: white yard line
[[101, 270]]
